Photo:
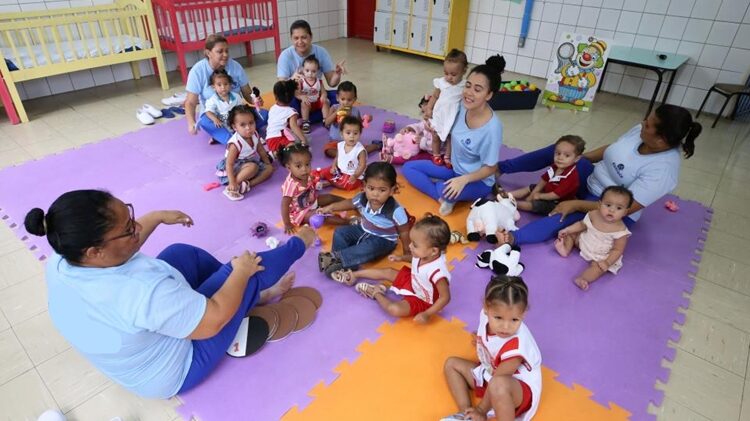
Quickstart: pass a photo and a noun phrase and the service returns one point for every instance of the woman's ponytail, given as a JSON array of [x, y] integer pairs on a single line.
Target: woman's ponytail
[[688, 146]]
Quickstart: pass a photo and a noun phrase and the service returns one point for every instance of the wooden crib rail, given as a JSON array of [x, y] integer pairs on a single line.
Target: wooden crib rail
[[51, 42]]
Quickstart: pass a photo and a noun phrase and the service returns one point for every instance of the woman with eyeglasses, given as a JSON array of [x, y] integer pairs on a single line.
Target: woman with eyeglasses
[[157, 326]]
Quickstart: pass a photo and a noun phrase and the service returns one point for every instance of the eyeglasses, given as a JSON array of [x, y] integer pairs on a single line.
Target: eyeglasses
[[130, 232]]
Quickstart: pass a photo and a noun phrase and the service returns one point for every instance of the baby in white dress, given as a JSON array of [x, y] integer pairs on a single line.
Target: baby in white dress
[[601, 237]]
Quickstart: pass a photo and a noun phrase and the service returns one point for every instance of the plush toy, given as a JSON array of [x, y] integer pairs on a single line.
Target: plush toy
[[403, 145], [504, 260], [342, 112], [486, 216], [260, 229]]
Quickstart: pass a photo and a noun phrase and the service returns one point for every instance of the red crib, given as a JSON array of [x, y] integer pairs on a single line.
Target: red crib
[[183, 25]]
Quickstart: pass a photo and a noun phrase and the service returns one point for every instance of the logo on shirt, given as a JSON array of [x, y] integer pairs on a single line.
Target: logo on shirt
[[466, 141], [618, 168]]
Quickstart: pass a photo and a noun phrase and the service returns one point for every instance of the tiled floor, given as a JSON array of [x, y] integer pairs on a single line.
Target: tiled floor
[[709, 380]]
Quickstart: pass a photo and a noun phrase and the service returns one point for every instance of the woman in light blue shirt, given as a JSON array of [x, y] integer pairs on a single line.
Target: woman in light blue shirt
[[199, 88], [157, 326], [289, 64], [476, 139], [646, 160]]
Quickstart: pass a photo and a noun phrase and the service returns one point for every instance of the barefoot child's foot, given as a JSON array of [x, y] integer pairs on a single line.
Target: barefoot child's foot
[[279, 288], [560, 247], [582, 283]]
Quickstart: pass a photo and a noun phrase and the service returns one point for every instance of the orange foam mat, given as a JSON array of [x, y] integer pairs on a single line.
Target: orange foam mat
[[400, 377], [417, 204]]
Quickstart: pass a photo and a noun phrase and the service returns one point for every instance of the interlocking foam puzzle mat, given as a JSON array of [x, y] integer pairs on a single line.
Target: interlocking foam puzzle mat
[[602, 350]]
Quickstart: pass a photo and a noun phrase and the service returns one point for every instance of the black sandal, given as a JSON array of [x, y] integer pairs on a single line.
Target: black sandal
[[325, 259]]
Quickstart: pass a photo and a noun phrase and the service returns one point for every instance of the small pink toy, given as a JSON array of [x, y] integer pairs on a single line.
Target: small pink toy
[[671, 205], [403, 145], [366, 119], [389, 126]]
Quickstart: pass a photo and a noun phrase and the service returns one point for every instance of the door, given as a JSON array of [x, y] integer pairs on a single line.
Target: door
[[382, 30], [421, 8], [400, 31], [441, 9], [360, 19], [438, 38], [418, 35]]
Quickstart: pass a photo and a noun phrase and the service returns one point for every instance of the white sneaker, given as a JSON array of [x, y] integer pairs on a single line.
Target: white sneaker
[[144, 117], [52, 415], [151, 110], [446, 208], [175, 100]]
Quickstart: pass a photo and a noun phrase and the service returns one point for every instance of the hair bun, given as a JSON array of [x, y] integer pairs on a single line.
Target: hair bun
[[497, 62], [35, 222]]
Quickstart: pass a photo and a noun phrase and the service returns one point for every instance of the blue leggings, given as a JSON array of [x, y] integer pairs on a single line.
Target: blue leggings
[[222, 134], [430, 179], [206, 275], [546, 228], [315, 116]]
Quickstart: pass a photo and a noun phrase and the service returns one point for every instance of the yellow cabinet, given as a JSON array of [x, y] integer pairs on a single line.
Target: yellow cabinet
[[426, 27]]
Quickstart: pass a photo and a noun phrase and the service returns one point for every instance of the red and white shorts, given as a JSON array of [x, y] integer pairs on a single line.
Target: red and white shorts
[[403, 281]]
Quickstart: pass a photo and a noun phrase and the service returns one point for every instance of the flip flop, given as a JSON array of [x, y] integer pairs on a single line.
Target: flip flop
[[233, 196], [177, 110]]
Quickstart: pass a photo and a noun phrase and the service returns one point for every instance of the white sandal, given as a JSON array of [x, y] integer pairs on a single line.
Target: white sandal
[[233, 195], [369, 290]]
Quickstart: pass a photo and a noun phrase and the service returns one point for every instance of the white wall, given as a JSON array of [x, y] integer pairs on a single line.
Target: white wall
[[326, 17], [714, 33]]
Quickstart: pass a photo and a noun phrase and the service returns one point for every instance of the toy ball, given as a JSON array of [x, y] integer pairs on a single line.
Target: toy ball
[[524, 82], [518, 88], [316, 221], [504, 89], [532, 87], [260, 229], [513, 83], [389, 126]]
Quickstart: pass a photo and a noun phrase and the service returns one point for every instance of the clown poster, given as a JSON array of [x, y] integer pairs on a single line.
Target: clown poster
[[580, 63]]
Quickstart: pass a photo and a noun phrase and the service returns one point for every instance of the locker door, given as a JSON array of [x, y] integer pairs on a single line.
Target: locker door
[[418, 35], [400, 31], [421, 8], [382, 33], [384, 5], [441, 9], [438, 39], [403, 6]]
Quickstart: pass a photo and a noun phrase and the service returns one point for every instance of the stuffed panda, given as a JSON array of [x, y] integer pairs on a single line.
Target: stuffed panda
[[504, 260]]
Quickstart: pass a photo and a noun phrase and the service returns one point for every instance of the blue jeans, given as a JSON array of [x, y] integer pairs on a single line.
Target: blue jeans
[[206, 275], [315, 116], [353, 246], [430, 179], [222, 134], [546, 228]]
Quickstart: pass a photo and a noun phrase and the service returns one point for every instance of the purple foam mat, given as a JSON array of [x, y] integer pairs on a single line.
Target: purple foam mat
[[612, 338], [164, 166]]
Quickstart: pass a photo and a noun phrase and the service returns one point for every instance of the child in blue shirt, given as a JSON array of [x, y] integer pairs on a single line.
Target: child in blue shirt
[[383, 223]]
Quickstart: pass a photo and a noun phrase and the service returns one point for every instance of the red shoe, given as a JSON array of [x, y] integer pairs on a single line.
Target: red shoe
[[437, 160], [447, 163]]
